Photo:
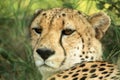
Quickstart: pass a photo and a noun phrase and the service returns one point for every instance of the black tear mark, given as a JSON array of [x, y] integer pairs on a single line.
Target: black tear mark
[[63, 50]]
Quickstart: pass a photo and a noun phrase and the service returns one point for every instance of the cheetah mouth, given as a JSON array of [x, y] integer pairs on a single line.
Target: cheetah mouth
[[46, 66]]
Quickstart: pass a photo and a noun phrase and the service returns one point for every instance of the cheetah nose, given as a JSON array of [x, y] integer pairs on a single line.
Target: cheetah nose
[[45, 53]]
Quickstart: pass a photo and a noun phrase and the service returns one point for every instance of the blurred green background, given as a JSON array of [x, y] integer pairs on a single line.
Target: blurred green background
[[15, 52]]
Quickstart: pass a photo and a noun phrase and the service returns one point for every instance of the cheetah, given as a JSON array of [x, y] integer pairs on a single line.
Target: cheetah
[[67, 41]]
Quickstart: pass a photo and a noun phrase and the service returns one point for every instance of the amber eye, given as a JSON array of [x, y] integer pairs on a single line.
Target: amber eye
[[37, 30], [67, 31]]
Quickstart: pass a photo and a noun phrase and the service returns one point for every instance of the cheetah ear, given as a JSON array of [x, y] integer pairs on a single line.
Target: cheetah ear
[[37, 11], [101, 22]]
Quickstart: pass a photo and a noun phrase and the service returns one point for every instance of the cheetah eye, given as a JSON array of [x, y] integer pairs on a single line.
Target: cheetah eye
[[37, 30], [67, 31]]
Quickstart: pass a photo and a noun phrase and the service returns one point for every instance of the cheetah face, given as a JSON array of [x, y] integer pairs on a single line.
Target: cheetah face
[[63, 37]]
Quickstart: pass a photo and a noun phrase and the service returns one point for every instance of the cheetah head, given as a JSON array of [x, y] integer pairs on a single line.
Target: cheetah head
[[63, 37]]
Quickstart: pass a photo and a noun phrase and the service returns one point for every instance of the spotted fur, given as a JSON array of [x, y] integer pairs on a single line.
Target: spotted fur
[[92, 70], [62, 38]]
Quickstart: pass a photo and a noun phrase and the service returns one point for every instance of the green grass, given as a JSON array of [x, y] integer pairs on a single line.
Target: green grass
[[16, 61], [15, 52]]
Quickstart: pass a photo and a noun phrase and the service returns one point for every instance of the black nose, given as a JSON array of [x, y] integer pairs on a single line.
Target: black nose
[[45, 53]]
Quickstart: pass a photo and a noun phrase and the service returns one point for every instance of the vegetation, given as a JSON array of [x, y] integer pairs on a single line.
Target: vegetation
[[15, 51]]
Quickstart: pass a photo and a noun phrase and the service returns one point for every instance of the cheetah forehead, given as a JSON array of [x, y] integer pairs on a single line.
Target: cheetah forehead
[[59, 16], [58, 11]]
